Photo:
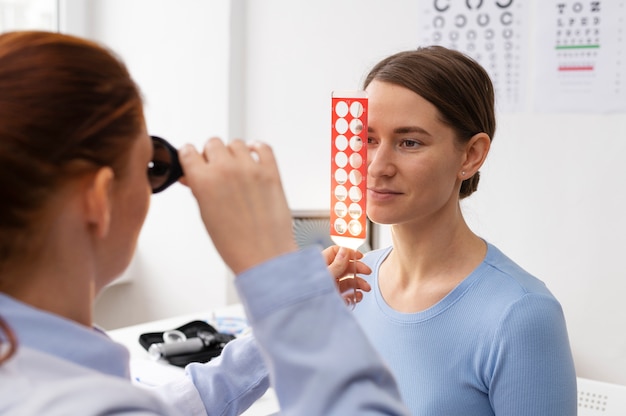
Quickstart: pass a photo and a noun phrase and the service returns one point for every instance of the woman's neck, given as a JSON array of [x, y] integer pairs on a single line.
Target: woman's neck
[[427, 262], [55, 289], [56, 276]]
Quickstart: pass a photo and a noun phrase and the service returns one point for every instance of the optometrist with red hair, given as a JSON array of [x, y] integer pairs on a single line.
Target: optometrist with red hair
[[74, 152]]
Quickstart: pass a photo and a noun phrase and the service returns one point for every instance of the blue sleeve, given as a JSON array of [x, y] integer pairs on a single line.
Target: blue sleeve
[[319, 359], [533, 370], [232, 382]]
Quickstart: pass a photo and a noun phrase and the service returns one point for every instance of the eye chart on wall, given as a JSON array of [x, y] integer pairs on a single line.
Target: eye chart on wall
[[581, 56], [493, 32]]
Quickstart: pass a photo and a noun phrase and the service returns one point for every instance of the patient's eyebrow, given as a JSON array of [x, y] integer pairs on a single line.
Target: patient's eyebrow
[[410, 129], [404, 130]]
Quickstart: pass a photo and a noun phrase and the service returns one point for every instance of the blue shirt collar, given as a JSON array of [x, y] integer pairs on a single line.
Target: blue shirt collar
[[63, 338]]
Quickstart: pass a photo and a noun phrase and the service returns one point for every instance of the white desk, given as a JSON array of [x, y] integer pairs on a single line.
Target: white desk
[[148, 372]]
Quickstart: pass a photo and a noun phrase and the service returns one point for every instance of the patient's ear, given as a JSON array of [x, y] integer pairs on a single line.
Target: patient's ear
[[97, 201], [476, 150]]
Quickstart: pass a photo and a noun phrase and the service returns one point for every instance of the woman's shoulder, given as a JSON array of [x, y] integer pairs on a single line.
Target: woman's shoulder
[[508, 273]]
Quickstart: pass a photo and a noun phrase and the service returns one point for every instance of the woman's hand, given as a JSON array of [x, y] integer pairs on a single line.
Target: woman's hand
[[241, 200], [343, 265]]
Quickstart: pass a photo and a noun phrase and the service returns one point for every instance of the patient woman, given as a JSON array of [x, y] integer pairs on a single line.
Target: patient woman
[[465, 330], [75, 189]]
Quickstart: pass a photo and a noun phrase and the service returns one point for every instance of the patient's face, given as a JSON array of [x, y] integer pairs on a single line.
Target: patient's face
[[413, 157]]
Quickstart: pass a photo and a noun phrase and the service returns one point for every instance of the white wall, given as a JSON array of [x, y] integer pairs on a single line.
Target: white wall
[[179, 54], [550, 194], [297, 53]]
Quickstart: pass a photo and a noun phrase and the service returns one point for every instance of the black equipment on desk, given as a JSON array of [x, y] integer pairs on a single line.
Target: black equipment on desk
[[196, 341]]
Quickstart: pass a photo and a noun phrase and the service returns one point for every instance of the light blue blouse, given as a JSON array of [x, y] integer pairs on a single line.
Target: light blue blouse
[[497, 344]]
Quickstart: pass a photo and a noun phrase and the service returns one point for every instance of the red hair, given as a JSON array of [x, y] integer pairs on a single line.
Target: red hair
[[65, 103]]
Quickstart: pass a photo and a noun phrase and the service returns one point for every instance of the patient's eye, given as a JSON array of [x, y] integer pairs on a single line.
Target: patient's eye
[[410, 144]]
